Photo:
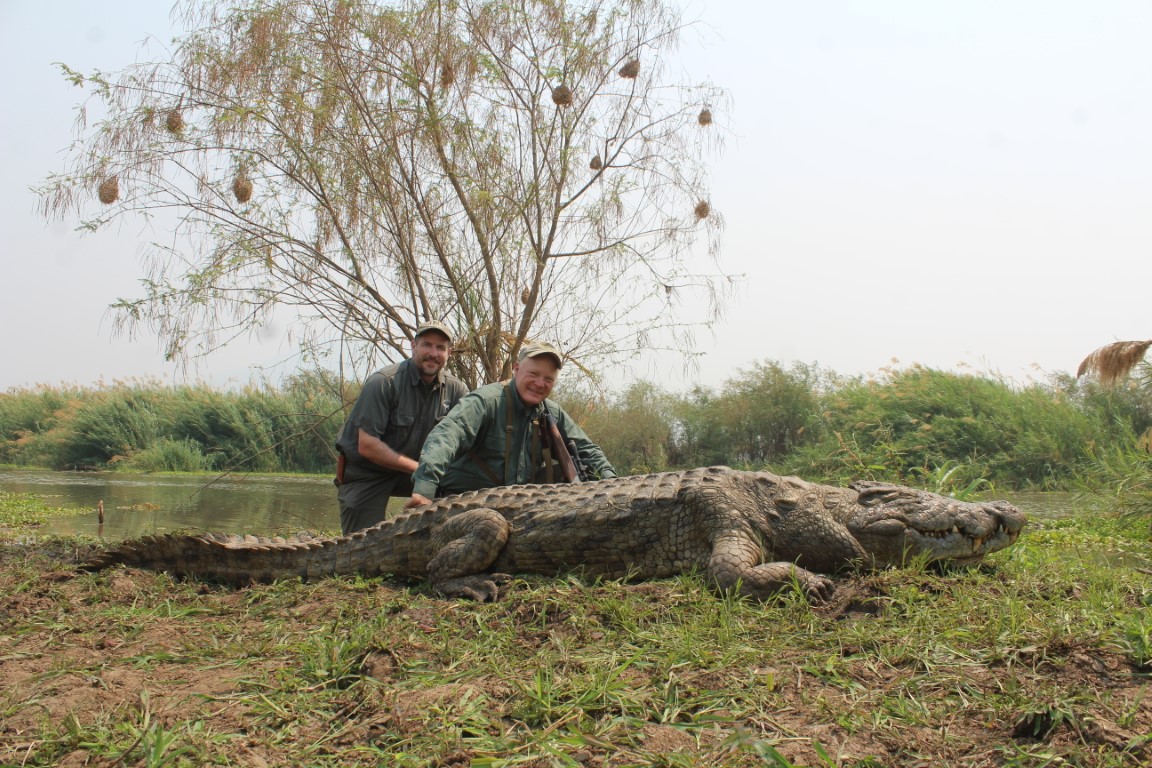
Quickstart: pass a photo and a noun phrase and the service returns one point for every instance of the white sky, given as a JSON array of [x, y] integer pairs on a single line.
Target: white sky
[[945, 183]]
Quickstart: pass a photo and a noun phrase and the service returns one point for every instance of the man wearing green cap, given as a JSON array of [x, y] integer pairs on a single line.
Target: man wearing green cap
[[491, 438], [390, 420]]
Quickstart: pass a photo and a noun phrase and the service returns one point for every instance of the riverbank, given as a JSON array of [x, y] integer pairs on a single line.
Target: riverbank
[[1041, 655]]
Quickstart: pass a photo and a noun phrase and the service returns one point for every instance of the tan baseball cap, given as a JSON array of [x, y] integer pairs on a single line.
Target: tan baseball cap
[[433, 325], [537, 348]]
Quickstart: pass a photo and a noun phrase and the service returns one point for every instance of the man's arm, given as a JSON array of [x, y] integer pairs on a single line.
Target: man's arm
[[447, 441], [379, 452]]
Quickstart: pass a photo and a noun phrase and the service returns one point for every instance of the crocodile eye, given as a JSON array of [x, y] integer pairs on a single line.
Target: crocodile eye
[[785, 502], [872, 494]]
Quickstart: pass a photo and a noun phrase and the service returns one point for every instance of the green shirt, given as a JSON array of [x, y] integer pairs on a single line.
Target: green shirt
[[398, 407], [477, 428]]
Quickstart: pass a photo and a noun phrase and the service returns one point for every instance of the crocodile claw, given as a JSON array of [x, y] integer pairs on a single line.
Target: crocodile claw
[[481, 587]]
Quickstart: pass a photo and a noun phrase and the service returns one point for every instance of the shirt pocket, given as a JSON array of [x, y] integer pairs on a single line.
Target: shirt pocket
[[399, 426]]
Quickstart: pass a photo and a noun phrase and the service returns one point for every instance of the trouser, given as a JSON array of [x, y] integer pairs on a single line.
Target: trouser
[[364, 501]]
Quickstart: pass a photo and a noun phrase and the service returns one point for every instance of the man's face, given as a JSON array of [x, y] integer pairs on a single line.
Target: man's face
[[535, 377], [430, 353]]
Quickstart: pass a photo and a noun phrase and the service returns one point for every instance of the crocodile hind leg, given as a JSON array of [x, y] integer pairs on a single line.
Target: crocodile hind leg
[[465, 545]]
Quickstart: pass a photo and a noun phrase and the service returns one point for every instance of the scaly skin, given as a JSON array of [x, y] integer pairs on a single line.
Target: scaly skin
[[752, 531]]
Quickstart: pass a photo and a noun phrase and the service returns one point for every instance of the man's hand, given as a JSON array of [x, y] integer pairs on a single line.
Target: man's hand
[[416, 501]]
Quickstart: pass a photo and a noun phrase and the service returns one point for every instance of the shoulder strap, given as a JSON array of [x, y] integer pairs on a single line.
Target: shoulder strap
[[508, 407]]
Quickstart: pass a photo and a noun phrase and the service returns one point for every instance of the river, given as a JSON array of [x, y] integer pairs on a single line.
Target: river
[[141, 504]]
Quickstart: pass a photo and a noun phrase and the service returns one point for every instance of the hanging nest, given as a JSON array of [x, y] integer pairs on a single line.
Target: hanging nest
[[524, 296], [705, 117], [109, 190], [1114, 361], [702, 209], [630, 70], [242, 187], [562, 95], [174, 122], [596, 163], [447, 75]]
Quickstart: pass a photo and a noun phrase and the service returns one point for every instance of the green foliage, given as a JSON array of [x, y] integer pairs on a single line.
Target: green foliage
[[1122, 473], [634, 429], [25, 415], [758, 417], [910, 423], [166, 455], [953, 433], [21, 511], [147, 426]]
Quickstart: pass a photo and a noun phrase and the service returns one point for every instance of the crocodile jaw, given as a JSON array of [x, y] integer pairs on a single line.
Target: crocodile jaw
[[909, 524]]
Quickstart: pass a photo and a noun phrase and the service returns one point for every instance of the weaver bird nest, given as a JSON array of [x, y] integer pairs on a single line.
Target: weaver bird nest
[[705, 117], [242, 188], [562, 95], [109, 190], [174, 121], [702, 209], [596, 163], [630, 70]]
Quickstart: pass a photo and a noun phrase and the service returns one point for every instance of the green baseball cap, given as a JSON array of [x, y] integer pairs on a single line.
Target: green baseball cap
[[537, 348], [433, 325]]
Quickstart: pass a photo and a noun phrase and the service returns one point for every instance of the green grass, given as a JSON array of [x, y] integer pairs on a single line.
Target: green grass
[[1039, 657]]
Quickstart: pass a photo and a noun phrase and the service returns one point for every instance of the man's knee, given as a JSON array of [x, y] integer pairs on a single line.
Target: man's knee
[[358, 518], [360, 507]]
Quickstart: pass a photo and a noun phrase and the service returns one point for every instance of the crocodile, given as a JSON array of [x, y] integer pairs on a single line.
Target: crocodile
[[752, 532]]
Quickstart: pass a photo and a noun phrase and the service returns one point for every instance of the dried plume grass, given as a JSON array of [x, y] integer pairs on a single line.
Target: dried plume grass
[[1113, 362]]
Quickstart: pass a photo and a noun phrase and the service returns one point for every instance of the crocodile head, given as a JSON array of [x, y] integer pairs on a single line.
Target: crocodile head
[[894, 524]]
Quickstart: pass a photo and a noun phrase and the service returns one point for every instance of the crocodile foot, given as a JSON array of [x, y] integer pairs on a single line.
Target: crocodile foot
[[482, 587]]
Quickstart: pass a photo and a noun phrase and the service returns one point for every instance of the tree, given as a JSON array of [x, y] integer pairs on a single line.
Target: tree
[[519, 169]]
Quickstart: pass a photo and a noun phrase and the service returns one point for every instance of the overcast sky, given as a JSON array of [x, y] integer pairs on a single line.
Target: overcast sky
[[955, 184]]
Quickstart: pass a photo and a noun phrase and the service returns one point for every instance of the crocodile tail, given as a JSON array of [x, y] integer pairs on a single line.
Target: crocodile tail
[[230, 559]]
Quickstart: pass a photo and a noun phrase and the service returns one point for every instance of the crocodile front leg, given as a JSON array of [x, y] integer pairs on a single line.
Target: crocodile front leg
[[465, 546], [735, 563]]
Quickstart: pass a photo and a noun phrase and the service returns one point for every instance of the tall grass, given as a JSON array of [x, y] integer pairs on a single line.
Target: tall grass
[[949, 431], [149, 426]]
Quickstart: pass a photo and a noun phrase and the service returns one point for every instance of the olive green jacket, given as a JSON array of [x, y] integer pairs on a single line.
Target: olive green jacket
[[465, 451]]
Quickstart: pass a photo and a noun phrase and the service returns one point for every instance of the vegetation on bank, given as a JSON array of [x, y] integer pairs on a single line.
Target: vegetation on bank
[[1039, 657], [944, 430]]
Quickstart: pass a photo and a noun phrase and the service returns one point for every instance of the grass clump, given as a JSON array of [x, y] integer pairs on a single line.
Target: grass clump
[[23, 512]]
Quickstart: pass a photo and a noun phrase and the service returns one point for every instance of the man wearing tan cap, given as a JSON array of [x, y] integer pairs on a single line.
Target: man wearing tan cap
[[397, 408], [491, 438]]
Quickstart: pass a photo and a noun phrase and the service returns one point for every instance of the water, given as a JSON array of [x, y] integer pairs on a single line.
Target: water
[[141, 504]]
